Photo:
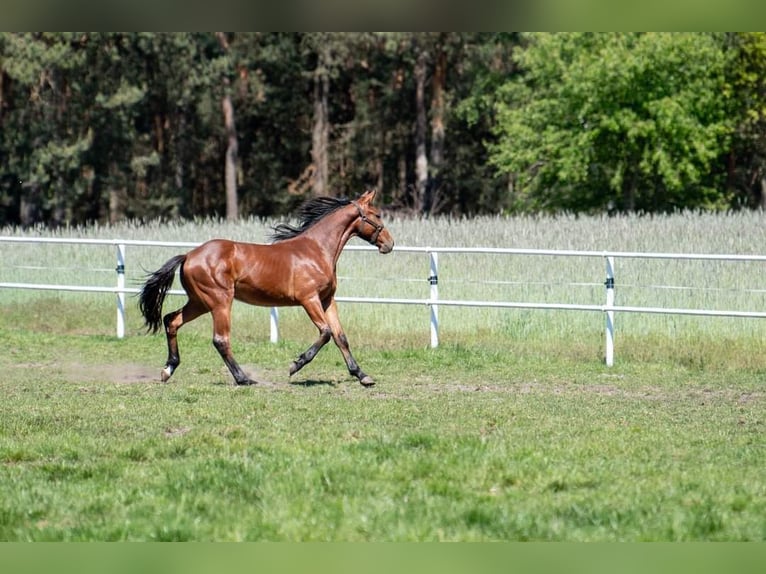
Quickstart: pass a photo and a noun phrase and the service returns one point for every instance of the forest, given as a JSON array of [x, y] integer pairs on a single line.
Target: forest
[[104, 127]]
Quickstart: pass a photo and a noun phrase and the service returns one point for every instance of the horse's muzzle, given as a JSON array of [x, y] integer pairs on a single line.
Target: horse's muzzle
[[384, 242]]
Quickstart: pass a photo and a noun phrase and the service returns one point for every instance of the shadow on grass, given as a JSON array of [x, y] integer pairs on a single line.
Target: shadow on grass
[[313, 383]]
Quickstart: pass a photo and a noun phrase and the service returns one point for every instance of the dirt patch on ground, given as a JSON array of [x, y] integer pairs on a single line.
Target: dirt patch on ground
[[124, 373], [127, 373]]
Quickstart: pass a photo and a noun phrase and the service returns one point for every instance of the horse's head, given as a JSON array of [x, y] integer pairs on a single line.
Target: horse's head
[[369, 226]]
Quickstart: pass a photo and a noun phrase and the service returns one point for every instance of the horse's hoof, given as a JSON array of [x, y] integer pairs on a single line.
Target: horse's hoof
[[246, 382], [294, 368], [367, 381], [165, 374]]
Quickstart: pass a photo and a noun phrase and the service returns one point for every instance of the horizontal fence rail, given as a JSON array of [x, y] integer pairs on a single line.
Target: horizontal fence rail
[[433, 302]]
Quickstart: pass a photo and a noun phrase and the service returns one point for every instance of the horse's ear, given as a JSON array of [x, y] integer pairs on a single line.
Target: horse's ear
[[369, 195]]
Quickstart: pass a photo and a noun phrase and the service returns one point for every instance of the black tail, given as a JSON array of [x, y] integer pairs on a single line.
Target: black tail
[[154, 291]]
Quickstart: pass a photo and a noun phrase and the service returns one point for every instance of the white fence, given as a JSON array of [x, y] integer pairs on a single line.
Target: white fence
[[608, 308]]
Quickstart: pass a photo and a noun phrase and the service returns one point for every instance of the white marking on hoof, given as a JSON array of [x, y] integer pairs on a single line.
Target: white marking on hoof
[[367, 381], [166, 372]]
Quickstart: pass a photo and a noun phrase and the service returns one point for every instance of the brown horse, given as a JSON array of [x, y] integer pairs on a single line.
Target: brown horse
[[298, 268]]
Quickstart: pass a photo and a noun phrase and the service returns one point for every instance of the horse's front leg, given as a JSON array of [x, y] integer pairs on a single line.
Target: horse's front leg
[[331, 312]]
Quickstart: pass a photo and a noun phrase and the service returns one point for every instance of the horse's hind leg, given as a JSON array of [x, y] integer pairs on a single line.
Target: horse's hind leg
[[173, 322], [221, 341]]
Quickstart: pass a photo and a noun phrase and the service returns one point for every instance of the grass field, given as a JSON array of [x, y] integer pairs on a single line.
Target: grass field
[[512, 430]]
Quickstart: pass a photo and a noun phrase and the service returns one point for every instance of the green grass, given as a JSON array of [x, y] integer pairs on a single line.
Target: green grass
[[452, 444], [512, 430]]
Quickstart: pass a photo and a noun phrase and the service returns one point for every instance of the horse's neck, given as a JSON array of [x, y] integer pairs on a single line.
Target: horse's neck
[[333, 232]]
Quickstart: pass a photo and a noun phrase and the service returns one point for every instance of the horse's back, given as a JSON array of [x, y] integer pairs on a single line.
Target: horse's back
[[216, 252], [259, 274]]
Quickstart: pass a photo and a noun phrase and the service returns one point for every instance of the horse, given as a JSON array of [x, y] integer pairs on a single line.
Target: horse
[[298, 268]]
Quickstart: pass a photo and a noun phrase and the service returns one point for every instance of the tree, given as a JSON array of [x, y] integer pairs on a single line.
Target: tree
[[430, 56], [43, 136], [320, 134], [631, 122], [230, 169], [108, 126], [488, 64], [422, 188], [746, 161], [329, 54]]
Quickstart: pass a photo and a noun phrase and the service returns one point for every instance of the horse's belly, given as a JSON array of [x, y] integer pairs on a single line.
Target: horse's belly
[[278, 281], [262, 297]]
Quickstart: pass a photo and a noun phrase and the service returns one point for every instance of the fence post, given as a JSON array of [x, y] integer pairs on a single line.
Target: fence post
[[433, 280], [120, 293], [609, 283], [274, 325]]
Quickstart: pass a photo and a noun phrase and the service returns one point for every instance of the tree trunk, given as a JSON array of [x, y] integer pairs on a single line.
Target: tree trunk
[[379, 171], [91, 211], [116, 211], [629, 194], [117, 195], [29, 206], [179, 155], [321, 132], [380, 139], [437, 125], [402, 177], [2, 101], [437, 110], [232, 209], [58, 217], [421, 157]]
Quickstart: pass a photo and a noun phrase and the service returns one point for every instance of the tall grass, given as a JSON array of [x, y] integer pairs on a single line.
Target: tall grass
[[658, 283]]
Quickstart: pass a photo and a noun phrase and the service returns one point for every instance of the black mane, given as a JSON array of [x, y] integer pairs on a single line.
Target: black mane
[[309, 213]]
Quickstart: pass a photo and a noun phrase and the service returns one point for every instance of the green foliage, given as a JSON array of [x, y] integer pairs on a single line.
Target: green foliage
[[616, 121], [747, 174], [107, 126]]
